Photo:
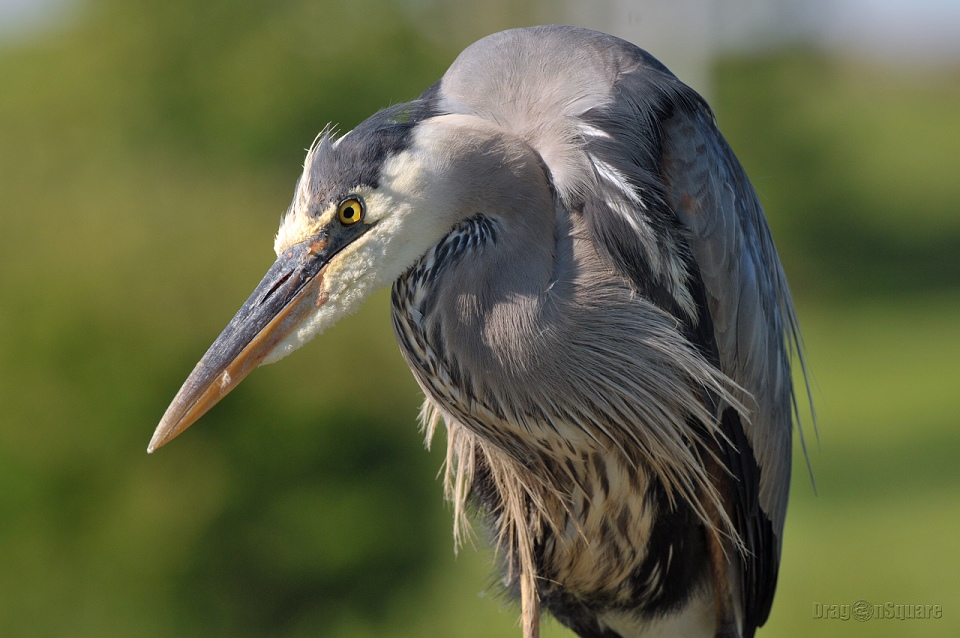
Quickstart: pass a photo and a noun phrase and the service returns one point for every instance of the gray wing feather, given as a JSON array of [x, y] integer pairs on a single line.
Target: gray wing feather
[[754, 326], [747, 295], [662, 141], [663, 145]]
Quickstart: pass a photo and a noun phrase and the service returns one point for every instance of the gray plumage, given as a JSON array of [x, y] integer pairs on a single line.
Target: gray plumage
[[586, 289]]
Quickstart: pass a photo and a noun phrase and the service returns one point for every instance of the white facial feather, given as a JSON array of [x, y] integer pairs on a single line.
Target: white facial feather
[[414, 207]]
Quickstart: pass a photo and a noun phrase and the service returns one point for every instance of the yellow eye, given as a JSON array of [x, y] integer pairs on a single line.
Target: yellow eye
[[350, 211]]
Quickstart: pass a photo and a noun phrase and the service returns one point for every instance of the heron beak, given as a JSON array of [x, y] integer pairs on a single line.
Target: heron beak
[[290, 291]]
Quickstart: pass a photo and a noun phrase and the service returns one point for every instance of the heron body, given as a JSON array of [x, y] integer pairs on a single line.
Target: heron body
[[586, 289]]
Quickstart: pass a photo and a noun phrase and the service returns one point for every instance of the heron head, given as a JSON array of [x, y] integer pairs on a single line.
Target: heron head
[[366, 207]]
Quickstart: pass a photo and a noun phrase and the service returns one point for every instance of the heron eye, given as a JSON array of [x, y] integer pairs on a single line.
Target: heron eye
[[350, 211]]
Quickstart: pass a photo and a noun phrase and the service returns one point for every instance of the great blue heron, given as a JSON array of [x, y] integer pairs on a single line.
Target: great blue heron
[[585, 287]]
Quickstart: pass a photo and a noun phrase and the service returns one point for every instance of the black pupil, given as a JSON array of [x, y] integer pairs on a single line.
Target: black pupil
[[349, 212]]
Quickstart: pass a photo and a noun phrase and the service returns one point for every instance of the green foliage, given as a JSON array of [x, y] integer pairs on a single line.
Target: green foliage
[[322, 525], [144, 153], [145, 156], [856, 164], [254, 80]]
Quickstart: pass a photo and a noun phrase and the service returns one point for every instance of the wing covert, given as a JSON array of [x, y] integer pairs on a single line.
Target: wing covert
[[663, 170]]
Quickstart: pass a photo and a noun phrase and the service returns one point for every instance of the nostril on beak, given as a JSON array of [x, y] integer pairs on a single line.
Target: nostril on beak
[[276, 286]]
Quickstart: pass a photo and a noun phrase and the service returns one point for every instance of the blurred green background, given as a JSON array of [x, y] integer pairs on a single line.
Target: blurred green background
[[147, 149]]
